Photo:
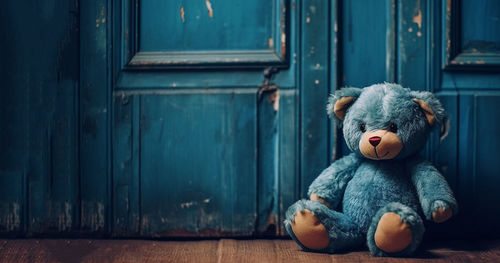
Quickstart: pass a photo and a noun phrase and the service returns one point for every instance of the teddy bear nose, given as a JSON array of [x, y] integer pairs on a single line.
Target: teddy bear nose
[[375, 140]]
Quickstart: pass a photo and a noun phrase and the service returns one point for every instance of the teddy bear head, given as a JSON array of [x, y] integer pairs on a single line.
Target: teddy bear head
[[386, 121]]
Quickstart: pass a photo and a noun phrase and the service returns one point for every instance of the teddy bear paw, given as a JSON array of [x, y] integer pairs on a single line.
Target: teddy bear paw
[[392, 234], [309, 230], [441, 212]]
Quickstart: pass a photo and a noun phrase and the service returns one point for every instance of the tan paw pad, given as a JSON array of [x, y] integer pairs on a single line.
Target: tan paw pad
[[309, 230], [441, 215], [392, 234]]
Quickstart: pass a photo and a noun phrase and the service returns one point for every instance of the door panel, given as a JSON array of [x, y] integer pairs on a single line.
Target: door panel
[[201, 145], [198, 163]]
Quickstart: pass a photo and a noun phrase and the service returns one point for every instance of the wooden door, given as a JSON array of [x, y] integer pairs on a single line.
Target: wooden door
[[205, 100]]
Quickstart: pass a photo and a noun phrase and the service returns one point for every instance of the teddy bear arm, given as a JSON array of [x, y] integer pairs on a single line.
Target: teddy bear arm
[[328, 188], [435, 195]]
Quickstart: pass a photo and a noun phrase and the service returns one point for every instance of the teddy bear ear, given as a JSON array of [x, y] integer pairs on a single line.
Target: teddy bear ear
[[433, 110], [340, 100]]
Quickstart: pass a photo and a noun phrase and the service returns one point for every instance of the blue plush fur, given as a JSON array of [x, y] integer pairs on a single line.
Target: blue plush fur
[[360, 190]]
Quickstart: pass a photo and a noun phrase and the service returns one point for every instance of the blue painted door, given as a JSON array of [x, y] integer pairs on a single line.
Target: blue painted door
[[206, 118], [205, 139]]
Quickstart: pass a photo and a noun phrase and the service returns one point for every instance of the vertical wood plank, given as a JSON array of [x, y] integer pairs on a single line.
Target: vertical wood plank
[[268, 159], [486, 165], [314, 85], [44, 86], [94, 117], [288, 183], [412, 33], [126, 215]]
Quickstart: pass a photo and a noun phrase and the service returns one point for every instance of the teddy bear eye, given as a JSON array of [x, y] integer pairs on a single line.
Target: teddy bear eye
[[362, 127], [393, 128]]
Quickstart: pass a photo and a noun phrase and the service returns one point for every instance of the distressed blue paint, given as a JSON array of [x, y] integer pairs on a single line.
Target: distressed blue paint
[[412, 32], [288, 181], [126, 216], [74, 161], [205, 25], [162, 34], [198, 163], [94, 118], [38, 165], [480, 26], [314, 85], [364, 40], [268, 155]]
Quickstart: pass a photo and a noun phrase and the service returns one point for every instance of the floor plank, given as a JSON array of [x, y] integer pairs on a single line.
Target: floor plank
[[224, 250]]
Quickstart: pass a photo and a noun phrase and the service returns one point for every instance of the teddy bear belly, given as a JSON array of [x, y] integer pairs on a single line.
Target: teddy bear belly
[[373, 187]]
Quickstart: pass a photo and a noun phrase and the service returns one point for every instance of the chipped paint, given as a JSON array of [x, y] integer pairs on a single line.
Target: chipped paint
[[182, 14], [480, 62], [417, 18], [419, 34], [64, 218], [410, 29], [308, 19], [10, 221], [188, 204], [316, 82], [274, 98], [283, 34], [209, 8], [270, 42], [92, 215], [313, 9]]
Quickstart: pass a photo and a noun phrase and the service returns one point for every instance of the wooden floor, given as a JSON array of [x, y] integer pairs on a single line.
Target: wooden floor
[[225, 250]]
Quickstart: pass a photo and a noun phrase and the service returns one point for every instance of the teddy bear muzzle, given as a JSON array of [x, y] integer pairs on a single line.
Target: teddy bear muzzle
[[380, 145]]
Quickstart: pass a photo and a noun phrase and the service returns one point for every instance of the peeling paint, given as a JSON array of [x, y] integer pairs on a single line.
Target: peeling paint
[[283, 35], [209, 8], [65, 219], [93, 215], [188, 204], [10, 221], [313, 9], [274, 98], [182, 14], [417, 18]]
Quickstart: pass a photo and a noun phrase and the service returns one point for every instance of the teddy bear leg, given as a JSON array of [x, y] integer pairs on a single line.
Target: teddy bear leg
[[315, 227], [396, 230]]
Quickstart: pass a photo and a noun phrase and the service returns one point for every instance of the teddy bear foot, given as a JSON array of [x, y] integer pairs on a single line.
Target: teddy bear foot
[[392, 234], [309, 230], [396, 230], [315, 227]]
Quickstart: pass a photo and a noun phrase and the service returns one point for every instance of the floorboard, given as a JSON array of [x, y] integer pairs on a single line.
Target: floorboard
[[224, 250]]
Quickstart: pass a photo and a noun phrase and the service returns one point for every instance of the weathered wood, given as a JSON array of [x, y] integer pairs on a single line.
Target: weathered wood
[[224, 250], [95, 109], [38, 166], [314, 86], [198, 163]]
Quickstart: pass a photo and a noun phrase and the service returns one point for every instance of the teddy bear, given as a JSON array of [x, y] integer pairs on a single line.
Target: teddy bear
[[379, 193]]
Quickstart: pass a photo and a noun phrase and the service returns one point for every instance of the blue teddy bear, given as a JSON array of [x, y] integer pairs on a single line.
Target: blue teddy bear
[[380, 192]]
